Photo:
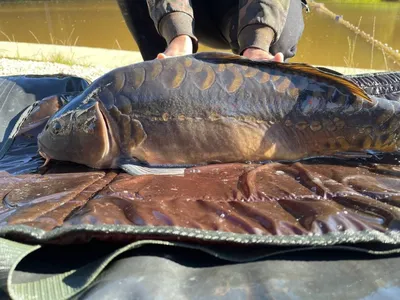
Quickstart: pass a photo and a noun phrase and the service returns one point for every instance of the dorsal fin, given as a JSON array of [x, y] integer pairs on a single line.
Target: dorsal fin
[[300, 67], [217, 55], [327, 70], [348, 84]]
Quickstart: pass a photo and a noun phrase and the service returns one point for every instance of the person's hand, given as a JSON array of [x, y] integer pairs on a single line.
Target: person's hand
[[259, 54], [181, 45]]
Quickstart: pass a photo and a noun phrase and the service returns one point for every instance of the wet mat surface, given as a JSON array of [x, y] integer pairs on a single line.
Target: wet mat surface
[[315, 202], [254, 200]]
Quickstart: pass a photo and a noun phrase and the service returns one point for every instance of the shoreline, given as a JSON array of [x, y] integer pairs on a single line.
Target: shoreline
[[85, 56], [26, 58]]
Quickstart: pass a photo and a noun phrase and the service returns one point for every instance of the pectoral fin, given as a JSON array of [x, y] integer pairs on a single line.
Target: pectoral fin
[[354, 155], [134, 168]]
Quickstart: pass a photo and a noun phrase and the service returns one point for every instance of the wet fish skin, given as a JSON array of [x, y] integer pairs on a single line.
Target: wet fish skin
[[214, 107]]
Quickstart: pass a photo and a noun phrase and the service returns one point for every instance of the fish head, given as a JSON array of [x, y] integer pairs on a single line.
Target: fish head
[[79, 133]]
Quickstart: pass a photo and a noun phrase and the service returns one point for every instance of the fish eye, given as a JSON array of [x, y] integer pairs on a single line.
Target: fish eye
[[56, 127]]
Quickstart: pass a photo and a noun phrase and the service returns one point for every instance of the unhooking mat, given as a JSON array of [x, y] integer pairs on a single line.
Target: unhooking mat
[[75, 220]]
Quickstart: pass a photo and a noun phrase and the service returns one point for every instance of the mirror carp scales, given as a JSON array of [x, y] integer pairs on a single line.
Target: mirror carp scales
[[161, 116]]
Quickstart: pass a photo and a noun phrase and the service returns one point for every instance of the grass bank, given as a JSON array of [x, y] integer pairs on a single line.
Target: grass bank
[[69, 55], [92, 57]]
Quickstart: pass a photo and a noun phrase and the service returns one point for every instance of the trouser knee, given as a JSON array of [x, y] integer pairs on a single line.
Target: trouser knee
[[142, 28], [217, 29], [292, 31]]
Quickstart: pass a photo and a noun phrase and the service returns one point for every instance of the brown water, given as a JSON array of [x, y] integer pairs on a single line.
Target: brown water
[[99, 23]]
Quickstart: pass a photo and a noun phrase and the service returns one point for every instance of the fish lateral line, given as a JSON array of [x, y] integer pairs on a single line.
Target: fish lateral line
[[216, 117]]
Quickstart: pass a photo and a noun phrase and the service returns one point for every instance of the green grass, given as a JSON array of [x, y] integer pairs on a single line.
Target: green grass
[[61, 58], [349, 59], [53, 57]]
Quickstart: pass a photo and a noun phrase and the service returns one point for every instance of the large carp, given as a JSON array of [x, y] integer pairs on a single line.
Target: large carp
[[217, 108]]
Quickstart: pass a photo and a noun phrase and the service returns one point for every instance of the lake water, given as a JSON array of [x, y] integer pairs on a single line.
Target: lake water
[[97, 23]]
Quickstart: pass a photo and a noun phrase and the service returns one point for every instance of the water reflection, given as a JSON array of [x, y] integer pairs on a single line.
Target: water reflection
[[99, 23]]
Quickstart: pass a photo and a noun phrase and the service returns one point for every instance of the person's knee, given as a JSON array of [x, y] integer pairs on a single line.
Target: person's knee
[[292, 31]]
